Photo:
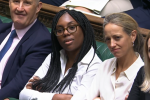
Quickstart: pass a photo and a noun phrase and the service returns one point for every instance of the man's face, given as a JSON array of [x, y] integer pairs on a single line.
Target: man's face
[[24, 12]]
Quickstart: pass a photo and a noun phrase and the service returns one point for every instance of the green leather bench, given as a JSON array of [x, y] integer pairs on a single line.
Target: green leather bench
[[5, 19], [102, 50]]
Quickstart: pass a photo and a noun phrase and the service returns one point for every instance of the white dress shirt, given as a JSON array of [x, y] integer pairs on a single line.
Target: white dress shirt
[[20, 34], [105, 84], [80, 84]]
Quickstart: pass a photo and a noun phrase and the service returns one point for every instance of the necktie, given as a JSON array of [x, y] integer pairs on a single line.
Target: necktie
[[8, 44]]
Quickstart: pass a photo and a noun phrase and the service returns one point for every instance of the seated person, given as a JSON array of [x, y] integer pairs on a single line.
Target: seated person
[[68, 71], [116, 75], [141, 14], [141, 86], [54, 2], [24, 44], [136, 3]]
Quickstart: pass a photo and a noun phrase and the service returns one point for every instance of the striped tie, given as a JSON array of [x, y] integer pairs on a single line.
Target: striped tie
[[8, 44]]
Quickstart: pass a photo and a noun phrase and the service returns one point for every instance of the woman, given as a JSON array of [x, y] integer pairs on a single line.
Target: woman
[[141, 86], [116, 75], [68, 71]]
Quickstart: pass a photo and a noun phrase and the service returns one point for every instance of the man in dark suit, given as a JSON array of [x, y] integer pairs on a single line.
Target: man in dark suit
[[29, 47], [136, 3], [54, 2], [141, 14]]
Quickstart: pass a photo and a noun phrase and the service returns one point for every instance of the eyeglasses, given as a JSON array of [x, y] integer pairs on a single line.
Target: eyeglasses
[[60, 30]]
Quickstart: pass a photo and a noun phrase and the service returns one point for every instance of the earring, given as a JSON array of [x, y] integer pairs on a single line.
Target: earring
[[133, 44]]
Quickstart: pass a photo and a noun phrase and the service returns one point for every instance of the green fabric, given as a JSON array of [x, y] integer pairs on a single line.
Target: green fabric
[[102, 51], [5, 19], [13, 99], [49, 29]]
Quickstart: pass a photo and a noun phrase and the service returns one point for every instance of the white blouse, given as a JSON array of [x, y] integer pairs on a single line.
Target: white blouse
[[81, 81], [105, 84]]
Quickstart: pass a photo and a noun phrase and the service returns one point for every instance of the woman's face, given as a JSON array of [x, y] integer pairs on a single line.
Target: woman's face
[[148, 48], [69, 41], [119, 42]]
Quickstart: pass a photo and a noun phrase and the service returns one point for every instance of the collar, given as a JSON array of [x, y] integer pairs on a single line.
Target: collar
[[113, 68], [86, 60], [88, 57], [21, 32], [131, 71]]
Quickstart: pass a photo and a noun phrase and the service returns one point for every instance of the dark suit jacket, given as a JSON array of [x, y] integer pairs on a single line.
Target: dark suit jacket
[[0, 21], [54, 2], [136, 93], [141, 14], [25, 59], [136, 3]]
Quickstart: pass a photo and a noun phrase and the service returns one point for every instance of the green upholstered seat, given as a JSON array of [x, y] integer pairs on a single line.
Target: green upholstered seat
[[5, 19], [13, 99], [8, 20], [102, 51]]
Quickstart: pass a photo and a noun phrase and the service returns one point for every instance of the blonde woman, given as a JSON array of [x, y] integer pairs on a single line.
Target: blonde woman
[[141, 87], [115, 76]]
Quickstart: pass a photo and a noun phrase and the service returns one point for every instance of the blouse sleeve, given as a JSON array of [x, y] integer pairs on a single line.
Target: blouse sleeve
[[135, 92], [86, 81], [29, 94], [94, 88]]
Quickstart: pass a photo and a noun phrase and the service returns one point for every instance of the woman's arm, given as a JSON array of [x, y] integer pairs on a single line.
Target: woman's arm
[[94, 92], [86, 81], [62, 97], [97, 98], [27, 93]]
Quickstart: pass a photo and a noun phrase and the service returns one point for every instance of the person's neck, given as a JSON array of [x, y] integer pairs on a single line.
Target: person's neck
[[72, 55], [71, 59], [125, 62]]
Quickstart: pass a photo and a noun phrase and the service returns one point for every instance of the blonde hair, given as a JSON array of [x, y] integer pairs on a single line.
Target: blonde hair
[[128, 24], [145, 87]]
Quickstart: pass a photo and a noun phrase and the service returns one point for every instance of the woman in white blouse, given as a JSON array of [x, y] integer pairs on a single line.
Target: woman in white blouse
[[115, 77], [68, 71]]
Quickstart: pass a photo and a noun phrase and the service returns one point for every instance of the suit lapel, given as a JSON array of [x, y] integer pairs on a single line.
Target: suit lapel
[[11, 60]]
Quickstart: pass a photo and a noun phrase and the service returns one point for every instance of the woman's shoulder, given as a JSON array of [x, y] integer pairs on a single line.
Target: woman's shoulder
[[110, 60], [108, 64], [140, 75]]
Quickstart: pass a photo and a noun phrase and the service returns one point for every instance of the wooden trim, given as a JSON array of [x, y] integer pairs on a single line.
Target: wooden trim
[[47, 13]]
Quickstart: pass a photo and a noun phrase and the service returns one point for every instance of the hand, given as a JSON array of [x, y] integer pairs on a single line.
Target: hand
[[62, 97], [126, 97], [29, 85], [97, 98]]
